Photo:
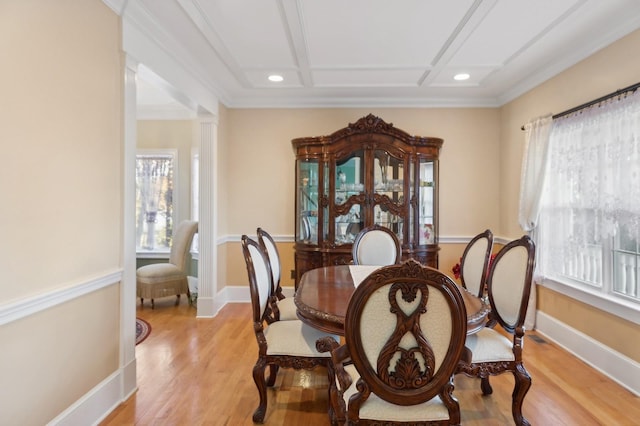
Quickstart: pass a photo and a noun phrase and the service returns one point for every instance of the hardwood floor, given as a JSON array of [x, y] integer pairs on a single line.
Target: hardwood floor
[[198, 372]]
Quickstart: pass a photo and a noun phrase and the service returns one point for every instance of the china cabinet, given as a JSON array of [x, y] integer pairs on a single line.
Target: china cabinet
[[364, 174]]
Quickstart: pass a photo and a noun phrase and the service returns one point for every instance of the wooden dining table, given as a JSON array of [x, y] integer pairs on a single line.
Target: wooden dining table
[[323, 296]]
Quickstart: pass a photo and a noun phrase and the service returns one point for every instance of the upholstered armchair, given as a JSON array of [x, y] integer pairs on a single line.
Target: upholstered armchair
[[168, 279]]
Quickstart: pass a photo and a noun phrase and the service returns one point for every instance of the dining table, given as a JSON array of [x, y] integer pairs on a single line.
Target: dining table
[[323, 295]]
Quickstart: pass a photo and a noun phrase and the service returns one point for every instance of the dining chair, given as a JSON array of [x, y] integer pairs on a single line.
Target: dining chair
[[376, 245], [490, 352], [284, 309], [474, 263], [287, 344], [168, 278], [405, 329]]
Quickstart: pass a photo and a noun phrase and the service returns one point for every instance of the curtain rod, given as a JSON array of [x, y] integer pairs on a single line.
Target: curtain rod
[[618, 92]]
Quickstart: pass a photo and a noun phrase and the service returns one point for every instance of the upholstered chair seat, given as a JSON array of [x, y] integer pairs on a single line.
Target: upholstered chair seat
[[487, 345], [168, 279], [377, 408], [293, 338]]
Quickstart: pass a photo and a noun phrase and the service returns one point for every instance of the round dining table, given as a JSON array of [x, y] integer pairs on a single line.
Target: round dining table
[[323, 296]]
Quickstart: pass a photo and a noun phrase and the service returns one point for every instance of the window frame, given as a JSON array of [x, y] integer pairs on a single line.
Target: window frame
[[600, 296]]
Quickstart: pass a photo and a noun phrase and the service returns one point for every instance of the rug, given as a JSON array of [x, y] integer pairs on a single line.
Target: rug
[[143, 329]]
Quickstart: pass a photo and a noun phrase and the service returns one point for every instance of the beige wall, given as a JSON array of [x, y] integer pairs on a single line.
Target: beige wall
[[61, 179], [261, 173], [604, 72]]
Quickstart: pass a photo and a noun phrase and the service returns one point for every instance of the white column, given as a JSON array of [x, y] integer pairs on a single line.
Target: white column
[[207, 228], [128, 285]]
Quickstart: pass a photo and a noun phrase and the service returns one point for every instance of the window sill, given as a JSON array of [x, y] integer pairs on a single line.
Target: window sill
[[615, 306], [161, 254], [156, 254]]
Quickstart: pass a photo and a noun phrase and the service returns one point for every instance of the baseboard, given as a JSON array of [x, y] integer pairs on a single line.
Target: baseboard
[[614, 365], [101, 399]]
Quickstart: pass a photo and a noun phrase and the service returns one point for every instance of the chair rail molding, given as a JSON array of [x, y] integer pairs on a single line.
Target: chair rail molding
[[27, 306]]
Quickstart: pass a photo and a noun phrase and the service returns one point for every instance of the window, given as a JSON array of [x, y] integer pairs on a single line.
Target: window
[[155, 195], [589, 225], [626, 267]]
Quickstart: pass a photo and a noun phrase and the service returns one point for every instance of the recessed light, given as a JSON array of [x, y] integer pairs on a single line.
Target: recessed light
[[276, 78], [462, 76]]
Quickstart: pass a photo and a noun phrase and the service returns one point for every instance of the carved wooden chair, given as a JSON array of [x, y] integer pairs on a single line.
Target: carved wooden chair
[[376, 245], [475, 263], [404, 334], [287, 344], [169, 278], [491, 353], [284, 308]]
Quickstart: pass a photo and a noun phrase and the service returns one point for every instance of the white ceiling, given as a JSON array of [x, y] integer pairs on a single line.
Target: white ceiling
[[375, 52]]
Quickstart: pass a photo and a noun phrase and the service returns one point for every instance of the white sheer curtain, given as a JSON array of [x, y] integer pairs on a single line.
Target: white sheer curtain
[[593, 186], [534, 166]]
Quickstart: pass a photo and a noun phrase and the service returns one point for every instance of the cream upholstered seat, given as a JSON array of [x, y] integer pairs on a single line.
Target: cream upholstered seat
[[475, 263], [404, 334], [288, 344], [491, 353], [286, 309], [168, 279], [376, 245]]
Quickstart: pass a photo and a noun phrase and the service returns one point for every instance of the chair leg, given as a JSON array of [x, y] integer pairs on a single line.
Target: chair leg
[[152, 304], [273, 373], [258, 378], [177, 299], [336, 404], [141, 302], [520, 389], [485, 386]]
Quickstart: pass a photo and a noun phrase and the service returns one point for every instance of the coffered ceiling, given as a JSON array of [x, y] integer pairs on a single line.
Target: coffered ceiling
[[376, 52]]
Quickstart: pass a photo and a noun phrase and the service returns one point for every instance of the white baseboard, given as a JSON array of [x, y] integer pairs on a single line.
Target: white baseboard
[[103, 398], [614, 365], [208, 307]]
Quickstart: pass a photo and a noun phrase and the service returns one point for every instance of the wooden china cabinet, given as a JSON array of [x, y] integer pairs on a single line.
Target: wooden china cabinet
[[364, 174]]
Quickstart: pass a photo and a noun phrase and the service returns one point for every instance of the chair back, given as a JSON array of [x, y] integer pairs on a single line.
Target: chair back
[[269, 246], [376, 245], [259, 273], [405, 329], [182, 238], [509, 283], [475, 263]]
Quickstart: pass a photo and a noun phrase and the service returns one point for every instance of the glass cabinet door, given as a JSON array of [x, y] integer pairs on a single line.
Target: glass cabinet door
[[427, 204], [349, 196], [388, 189], [307, 217]]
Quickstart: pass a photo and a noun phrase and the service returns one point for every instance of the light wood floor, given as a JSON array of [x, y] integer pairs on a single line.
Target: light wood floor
[[198, 372]]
